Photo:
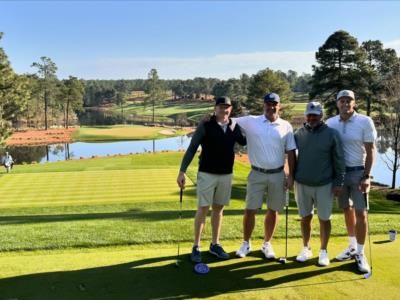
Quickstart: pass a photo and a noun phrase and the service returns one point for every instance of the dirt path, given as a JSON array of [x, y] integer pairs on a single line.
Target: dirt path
[[41, 137]]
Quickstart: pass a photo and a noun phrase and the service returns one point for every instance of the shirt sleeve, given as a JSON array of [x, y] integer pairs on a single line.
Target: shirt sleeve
[[370, 133], [290, 141], [242, 121], [192, 149]]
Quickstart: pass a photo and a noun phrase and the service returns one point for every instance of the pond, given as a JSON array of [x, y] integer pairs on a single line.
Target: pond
[[50, 153]]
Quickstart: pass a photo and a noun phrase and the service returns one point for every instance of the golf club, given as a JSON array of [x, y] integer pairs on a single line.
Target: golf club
[[180, 223], [369, 274], [283, 260]]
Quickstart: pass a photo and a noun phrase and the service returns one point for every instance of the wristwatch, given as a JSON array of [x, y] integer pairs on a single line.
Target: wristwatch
[[366, 176]]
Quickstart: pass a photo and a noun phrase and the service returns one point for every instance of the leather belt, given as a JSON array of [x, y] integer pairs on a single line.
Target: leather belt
[[356, 168], [267, 171]]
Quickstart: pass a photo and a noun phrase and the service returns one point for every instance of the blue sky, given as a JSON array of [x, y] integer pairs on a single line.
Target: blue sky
[[185, 39]]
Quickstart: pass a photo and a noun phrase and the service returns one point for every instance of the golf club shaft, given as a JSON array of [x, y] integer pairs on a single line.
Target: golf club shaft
[[287, 211], [180, 220], [369, 236]]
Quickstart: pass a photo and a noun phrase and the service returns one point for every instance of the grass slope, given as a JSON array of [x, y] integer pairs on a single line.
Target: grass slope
[[123, 133]]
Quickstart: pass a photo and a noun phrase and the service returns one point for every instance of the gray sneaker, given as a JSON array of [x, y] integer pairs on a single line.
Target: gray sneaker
[[196, 255], [218, 251]]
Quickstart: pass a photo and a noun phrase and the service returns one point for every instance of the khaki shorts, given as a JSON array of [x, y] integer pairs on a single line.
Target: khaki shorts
[[213, 189], [351, 196], [269, 186], [310, 197]]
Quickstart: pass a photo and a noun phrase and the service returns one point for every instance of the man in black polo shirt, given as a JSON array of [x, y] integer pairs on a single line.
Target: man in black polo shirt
[[217, 137]]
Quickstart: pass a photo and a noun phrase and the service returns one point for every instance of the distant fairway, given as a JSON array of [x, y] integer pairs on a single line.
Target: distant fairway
[[123, 133], [108, 228]]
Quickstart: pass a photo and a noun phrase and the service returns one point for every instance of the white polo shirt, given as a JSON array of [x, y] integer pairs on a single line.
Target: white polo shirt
[[267, 141], [354, 132]]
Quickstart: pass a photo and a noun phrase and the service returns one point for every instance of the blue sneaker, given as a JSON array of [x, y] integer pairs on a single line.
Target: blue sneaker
[[218, 251], [196, 255]]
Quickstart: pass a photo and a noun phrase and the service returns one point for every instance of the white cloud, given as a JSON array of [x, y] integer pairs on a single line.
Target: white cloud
[[221, 66], [394, 45]]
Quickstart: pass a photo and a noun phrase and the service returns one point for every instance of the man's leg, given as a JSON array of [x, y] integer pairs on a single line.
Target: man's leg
[[306, 230], [361, 226], [199, 222], [216, 222], [324, 232], [350, 220], [271, 218], [249, 221]]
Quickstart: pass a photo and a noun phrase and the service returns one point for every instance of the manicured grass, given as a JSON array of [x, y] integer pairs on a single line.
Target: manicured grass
[[123, 133], [147, 272], [108, 228], [127, 200]]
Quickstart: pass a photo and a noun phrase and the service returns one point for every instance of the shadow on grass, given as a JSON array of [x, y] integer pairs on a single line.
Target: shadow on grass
[[133, 214], [157, 278], [139, 214]]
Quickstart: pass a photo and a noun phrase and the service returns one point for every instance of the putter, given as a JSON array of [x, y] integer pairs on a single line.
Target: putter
[[180, 223], [369, 274], [283, 260]]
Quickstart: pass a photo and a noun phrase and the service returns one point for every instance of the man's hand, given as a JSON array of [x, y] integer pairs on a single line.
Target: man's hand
[[288, 183], [181, 180], [365, 185], [337, 190]]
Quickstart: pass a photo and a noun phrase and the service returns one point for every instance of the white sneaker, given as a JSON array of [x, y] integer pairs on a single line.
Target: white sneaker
[[323, 259], [268, 250], [348, 253], [245, 248], [304, 254], [362, 263]]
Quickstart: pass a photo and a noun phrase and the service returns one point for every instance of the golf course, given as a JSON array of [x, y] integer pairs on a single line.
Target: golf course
[[110, 228]]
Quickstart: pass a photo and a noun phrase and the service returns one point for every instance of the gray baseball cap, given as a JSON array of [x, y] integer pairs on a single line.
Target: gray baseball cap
[[345, 93], [313, 108]]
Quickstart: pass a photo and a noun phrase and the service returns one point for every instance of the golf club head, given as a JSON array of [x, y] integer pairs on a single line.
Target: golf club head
[[367, 275], [177, 264], [282, 260]]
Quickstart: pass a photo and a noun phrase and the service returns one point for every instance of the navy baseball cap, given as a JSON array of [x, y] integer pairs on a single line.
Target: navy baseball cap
[[223, 100], [272, 97]]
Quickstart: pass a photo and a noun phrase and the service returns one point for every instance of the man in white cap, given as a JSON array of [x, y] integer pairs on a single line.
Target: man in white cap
[[358, 136], [268, 139], [319, 175]]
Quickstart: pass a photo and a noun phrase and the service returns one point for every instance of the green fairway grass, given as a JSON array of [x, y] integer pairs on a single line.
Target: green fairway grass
[[147, 272], [123, 133], [108, 228]]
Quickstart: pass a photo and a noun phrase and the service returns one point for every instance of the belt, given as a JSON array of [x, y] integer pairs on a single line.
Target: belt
[[356, 168], [267, 171]]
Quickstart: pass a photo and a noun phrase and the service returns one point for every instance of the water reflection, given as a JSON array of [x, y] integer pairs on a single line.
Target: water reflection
[[78, 150], [58, 152]]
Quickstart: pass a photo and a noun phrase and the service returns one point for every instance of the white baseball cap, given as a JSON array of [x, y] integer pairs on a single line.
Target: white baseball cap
[[345, 93], [313, 108]]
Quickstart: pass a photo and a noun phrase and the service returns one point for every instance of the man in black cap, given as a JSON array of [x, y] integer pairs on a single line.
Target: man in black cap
[[268, 139], [217, 137]]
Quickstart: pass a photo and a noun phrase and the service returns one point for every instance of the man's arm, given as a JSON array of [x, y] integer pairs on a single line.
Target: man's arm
[[190, 153], [369, 161], [291, 155]]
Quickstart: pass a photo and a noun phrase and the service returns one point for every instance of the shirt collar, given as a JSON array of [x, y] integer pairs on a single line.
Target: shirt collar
[[353, 116], [265, 120]]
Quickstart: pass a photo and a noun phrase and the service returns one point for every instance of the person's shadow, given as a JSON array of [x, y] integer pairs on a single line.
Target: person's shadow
[[157, 278]]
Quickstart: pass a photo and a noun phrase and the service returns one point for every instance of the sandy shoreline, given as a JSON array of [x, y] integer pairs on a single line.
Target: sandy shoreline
[[41, 137]]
